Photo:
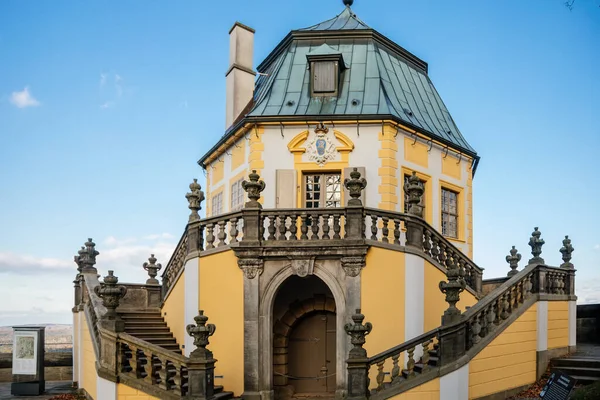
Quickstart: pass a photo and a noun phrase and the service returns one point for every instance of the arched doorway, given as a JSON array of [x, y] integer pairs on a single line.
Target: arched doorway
[[304, 345]]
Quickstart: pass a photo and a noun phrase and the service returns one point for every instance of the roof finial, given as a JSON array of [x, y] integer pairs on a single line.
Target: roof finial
[[348, 3]]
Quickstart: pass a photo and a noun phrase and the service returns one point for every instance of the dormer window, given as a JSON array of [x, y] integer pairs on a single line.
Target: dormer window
[[326, 65], [324, 76]]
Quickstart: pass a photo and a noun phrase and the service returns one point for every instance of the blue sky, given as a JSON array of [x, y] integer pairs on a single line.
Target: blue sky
[[105, 107]]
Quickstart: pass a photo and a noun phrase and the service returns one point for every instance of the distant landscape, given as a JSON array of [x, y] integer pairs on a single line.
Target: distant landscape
[[58, 338]]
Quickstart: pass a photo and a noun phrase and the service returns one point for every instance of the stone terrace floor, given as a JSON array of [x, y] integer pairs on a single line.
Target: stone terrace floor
[[53, 388]]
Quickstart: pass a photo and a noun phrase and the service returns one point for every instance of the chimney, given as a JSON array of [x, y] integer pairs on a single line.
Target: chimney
[[240, 75]]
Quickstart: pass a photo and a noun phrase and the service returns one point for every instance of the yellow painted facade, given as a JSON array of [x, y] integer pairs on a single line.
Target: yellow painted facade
[[509, 361], [427, 391], [558, 324], [238, 154], [125, 392], [451, 166], [469, 210], [89, 377], [383, 299], [173, 310], [257, 147], [416, 152], [217, 172], [221, 288], [434, 301], [388, 170]]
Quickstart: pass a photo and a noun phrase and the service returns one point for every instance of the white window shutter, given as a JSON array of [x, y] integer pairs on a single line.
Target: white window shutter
[[363, 174], [286, 189]]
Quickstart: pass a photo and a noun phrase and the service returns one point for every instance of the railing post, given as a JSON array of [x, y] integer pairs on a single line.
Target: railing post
[[111, 293], [201, 364], [566, 251], [88, 257], [358, 362], [354, 229], [251, 211], [414, 231]]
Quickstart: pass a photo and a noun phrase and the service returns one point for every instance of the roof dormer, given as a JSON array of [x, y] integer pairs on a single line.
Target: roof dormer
[[326, 66]]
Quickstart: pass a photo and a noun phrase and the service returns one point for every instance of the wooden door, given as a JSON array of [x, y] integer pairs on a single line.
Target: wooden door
[[311, 354]]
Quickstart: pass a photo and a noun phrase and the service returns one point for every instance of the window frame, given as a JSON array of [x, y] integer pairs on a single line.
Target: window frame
[[239, 195], [218, 197], [458, 215], [322, 189]]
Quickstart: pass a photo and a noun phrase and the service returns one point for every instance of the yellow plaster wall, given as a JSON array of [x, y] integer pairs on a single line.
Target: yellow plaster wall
[[416, 153], [509, 361], [89, 377], [427, 391], [469, 211], [558, 324], [221, 288], [257, 147], [173, 310], [125, 392], [451, 166], [382, 298], [238, 154], [218, 171], [388, 171], [434, 301]]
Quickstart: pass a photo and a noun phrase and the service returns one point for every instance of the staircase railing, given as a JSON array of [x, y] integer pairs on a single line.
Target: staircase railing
[[401, 364], [152, 368], [454, 344], [300, 227]]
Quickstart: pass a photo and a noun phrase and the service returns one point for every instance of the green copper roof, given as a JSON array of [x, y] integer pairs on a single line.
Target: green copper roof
[[347, 20], [378, 82]]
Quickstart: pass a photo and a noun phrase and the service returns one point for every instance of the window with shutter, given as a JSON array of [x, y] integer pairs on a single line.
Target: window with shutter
[[322, 190], [324, 78]]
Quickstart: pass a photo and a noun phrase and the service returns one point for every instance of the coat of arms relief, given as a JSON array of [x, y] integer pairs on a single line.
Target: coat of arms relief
[[321, 148]]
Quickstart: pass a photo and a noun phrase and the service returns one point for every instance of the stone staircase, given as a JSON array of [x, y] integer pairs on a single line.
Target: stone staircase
[[583, 365], [150, 326]]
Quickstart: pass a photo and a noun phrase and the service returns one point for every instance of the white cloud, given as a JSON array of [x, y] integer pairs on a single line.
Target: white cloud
[[24, 99], [596, 247], [23, 264], [107, 104], [103, 79], [588, 292]]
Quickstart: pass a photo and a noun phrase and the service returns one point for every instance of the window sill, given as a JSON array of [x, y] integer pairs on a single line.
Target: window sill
[[458, 240]]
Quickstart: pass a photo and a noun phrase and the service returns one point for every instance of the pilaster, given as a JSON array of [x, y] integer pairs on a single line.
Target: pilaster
[[191, 284]]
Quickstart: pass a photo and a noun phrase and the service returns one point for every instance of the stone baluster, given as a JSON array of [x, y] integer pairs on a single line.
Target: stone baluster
[[271, 228], [536, 244], [282, 227], [326, 227], [303, 226], [513, 261], [233, 229], [336, 227], [354, 212], [195, 198], [414, 231], [358, 362], [293, 226], [315, 221], [201, 364], [397, 231], [380, 375], [222, 234], [425, 356], [210, 236], [385, 231], [395, 368], [410, 364], [111, 294], [152, 268], [374, 228]]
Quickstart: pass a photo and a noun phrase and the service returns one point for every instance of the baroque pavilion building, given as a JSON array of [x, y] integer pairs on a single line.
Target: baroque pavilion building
[[341, 192]]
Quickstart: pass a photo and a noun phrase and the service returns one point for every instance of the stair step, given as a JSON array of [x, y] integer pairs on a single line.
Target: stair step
[[582, 371], [576, 362], [151, 334], [223, 396], [145, 324], [585, 380]]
